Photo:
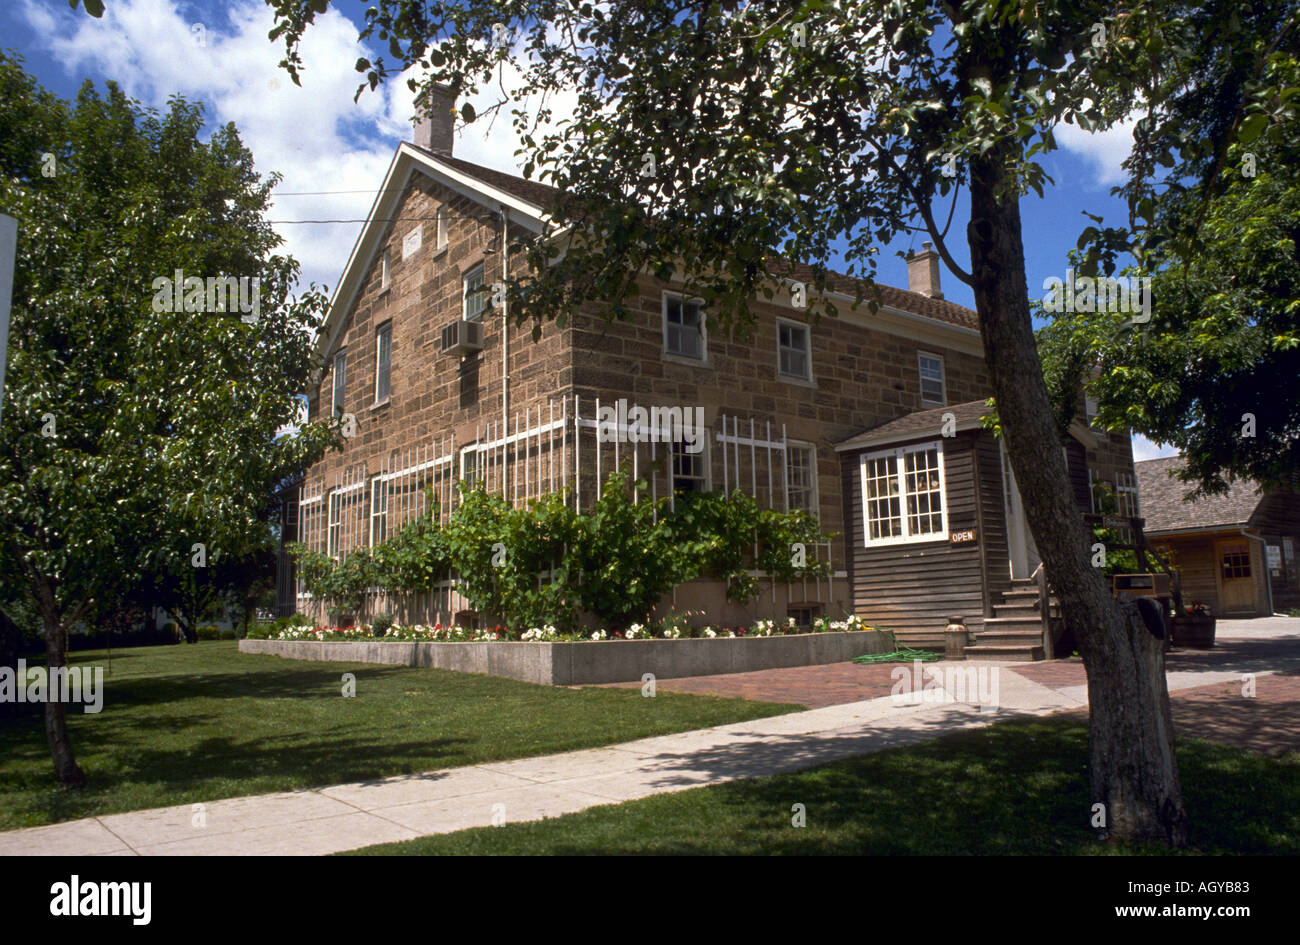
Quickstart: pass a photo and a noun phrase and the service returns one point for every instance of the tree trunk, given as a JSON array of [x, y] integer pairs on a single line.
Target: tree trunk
[[1134, 773], [56, 723]]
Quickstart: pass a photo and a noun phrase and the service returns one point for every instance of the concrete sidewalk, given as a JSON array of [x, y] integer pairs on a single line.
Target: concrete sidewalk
[[349, 816]]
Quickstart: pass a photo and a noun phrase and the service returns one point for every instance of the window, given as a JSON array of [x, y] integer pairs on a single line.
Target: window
[[335, 526], [475, 296], [902, 495], [471, 465], [378, 510], [683, 327], [1126, 495], [383, 361], [804, 615], [340, 380], [441, 225], [792, 350], [1090, 410], [1236, 561], [690, 470], [932, 386], [801, 478], [383, 271]]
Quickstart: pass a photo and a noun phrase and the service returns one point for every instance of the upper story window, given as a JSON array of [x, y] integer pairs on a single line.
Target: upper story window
[[383, 361], [441, 230], [932, 384], [475, 296], [385, 271], [903, 495], [1090, 410], [801, 478], [683, 327], [340, 381], [792, 350], [1126, 495]]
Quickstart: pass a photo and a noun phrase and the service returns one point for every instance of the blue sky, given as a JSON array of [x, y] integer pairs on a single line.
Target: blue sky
[[319, 139]]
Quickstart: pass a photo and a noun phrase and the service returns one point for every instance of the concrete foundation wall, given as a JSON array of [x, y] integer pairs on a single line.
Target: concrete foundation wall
[[588, 663]]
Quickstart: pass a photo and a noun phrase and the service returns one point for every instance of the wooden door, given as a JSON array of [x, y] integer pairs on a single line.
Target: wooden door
[[1236, 577]]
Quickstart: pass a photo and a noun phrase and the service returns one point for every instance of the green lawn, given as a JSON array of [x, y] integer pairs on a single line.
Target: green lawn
[[193, 723], [1012, 788]]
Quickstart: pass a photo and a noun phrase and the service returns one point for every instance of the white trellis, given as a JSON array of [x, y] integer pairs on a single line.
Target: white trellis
[[549, 448]]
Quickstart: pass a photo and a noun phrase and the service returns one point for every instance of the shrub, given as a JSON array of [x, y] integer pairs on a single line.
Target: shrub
[[208, 631], [380, 624]]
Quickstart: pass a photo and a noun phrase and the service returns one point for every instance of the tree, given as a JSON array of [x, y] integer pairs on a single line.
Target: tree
[[131, 423], [1214, 370], [721, 142]]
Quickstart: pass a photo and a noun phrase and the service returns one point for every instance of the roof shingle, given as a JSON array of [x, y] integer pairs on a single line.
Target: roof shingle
[[1161, 500]]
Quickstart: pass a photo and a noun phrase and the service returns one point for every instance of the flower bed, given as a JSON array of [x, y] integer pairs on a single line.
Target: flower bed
[[668, 629], [582, 661]]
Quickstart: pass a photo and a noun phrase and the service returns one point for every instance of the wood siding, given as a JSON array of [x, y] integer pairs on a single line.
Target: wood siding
[[912, 589]]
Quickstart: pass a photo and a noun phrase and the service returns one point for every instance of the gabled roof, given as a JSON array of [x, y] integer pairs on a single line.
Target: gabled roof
[[1161, 500], [532, 200], [968, 416]]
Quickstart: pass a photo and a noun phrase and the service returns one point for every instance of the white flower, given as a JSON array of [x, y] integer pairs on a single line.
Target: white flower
[[708, 632], [598, 635], [672, 633]]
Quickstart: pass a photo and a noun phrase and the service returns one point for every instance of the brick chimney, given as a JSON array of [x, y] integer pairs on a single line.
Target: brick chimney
[[436, 118], [923, 272]]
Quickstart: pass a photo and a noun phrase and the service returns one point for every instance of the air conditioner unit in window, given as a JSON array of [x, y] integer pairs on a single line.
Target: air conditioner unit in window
[[462, 337]]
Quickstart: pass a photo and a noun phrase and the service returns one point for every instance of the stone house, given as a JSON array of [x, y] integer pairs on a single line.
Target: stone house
[[437, 387]]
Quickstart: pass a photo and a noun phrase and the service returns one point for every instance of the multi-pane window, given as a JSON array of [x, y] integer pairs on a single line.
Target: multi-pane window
[[690, 470], [683, 327], [903, 495], [801, 478], [378, 510], [383, 361], [1126, 495], [475, 296], [792, 350], [930, 367], [471, 465], [1236, 560], [340, 381], [335, 524]]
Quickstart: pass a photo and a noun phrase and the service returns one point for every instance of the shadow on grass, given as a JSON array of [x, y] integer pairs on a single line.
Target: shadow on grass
[[1017, 788]]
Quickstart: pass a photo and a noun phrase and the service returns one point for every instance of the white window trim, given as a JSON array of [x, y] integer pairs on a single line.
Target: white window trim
[[905, 538], [378, 332], [943, 378], [465, 453], [385, 275], [378, 483], [807, 333], [703, 359], [440, 232], [334, 383], [333, 504], [707, 459], [815, 499], [464, 293]]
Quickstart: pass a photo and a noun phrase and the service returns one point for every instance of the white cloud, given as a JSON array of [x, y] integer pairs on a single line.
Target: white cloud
[[1144, 449], [1105, 150], [315, 135]]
